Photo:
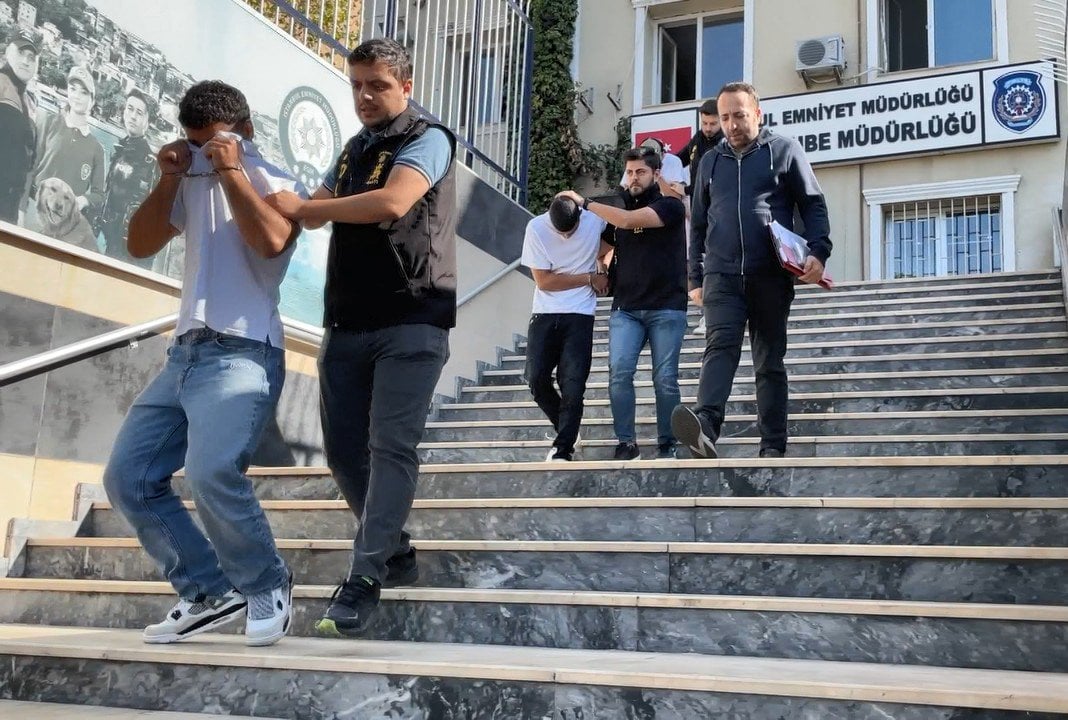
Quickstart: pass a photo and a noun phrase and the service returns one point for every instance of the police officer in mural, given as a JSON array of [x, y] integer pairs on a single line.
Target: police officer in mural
[[17, 129], [132, 173], [67, 149], [390, 302], [702, 141]]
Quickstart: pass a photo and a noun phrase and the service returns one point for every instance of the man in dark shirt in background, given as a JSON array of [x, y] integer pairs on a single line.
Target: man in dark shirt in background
[[702, 141]]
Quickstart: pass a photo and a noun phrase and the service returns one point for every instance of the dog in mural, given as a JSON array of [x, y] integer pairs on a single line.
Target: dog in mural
[[59, 216]]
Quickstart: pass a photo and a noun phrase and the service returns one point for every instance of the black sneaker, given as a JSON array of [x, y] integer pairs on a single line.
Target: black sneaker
[[694, 432], [772, 453], [352, 606], [561, 456], [401, 570], [627, 451], [667, 451]]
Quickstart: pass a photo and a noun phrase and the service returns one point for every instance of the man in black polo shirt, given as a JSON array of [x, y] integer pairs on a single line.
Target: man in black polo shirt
[[390, 302], [649, 305]]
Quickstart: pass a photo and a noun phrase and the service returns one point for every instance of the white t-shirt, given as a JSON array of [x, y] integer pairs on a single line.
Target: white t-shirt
[[671, 171], [226, 285], [546, 249]]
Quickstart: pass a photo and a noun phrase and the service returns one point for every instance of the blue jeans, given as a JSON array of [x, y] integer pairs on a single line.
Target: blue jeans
[[205, 410], [628, 333], [375, 389]]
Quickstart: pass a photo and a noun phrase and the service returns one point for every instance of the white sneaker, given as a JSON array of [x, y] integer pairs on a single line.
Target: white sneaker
[[189, 618], [550, 454], [700, 329], [269, 615]]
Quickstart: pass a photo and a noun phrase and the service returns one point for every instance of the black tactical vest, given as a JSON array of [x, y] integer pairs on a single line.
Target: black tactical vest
[[392, 273]]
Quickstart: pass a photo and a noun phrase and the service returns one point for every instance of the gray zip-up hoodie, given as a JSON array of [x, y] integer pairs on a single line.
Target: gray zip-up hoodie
[[735, 198]]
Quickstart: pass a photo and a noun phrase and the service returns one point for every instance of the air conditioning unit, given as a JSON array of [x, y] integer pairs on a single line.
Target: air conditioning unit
[[818, 56]]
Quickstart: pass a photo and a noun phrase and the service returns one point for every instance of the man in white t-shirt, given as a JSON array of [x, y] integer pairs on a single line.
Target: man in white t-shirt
[[563, 249], [221, 381]]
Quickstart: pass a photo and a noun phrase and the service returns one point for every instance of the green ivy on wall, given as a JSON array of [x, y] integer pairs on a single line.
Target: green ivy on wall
[[603, 164], [556, 155]]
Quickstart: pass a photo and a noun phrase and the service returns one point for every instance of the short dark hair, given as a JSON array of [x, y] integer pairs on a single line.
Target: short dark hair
[[212, 101], [709, 107], [646, 155], [739, 87], [564, 214], [392, 53]]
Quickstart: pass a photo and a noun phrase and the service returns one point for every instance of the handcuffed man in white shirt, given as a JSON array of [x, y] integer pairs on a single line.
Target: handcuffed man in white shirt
[[219, 387]]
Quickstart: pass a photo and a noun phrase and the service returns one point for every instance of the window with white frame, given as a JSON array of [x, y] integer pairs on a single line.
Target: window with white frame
[[697, 56], [954, 236], [938, 230], [918, 34]]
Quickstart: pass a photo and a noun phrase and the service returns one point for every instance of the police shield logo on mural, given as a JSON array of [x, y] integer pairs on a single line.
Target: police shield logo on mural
[[1019, 100], [309, 134]]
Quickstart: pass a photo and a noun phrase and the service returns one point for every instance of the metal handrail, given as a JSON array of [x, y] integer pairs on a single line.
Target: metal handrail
[[485, 285], [1060, 238], [18, 370]]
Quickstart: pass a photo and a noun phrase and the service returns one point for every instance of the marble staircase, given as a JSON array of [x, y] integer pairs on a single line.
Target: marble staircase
[[908, 559]]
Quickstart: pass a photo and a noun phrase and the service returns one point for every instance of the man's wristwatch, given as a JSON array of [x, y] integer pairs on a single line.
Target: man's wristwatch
[[585, 203]]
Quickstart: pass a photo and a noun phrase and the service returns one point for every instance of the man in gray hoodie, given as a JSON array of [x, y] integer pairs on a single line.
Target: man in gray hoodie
[[747, 180]]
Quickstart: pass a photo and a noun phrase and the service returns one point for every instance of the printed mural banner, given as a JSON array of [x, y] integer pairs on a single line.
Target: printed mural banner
[[102, 82]]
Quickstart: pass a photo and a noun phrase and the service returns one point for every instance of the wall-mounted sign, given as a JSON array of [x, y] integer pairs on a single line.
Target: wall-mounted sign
[[936, 113], [1015, 103]]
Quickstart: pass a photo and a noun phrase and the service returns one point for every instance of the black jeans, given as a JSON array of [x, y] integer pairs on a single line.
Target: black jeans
[[561, 342], [732, 301], [375, 389]]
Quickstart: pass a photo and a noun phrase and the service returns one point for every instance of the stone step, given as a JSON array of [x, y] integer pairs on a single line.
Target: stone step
[[893, 521], [496, 451], [897, 632], [942, 573], [892, 322], [993, 398], [743, 427], [832, 382], [991, 361], [66, 711], [903, 304], [373, 679], [921, 288], [989, 328], [836, 350], [926, 285], [918, 476], [876, 320]]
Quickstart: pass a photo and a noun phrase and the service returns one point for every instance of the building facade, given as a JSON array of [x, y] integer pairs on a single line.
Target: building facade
[[935, 126]]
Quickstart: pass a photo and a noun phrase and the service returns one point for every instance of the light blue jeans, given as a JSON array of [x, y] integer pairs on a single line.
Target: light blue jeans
[[205, 410], [629, 330]]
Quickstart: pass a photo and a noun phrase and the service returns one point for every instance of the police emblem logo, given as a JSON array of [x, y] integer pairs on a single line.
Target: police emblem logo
[[309, 134], [87, 170], [376, 174], [1019, 100]]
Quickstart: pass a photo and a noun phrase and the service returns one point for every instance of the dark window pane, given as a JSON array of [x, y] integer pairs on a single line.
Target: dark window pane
[[721, 55], [906, 34], [963, 31], [685, 38]]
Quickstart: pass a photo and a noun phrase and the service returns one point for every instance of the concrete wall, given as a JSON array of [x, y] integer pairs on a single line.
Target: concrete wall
[[606, 56]]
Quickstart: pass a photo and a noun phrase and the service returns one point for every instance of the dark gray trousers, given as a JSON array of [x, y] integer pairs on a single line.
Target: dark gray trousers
[[375, 390]]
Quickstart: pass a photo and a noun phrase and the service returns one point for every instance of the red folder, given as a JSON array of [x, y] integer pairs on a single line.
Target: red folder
[[792, 249]]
